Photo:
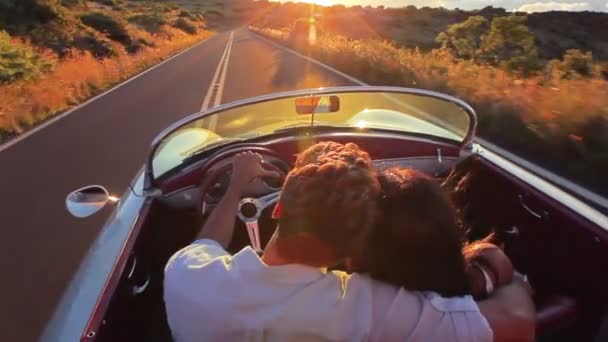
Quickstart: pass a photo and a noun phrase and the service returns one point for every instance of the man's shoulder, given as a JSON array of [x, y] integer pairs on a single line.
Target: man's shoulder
[[195, 261], [198, 253]]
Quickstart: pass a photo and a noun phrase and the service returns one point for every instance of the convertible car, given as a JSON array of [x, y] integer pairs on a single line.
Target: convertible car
[[555, 234]]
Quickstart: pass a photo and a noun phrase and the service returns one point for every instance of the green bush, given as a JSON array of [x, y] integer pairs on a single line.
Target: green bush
[[107, 2], [188, 15], [150, 22], [575, 64], [38, 11], [511, 45], [19, 61], [465, 38], [185, 26], [71, 2], [99, 48], [107, 25], [506, 42]]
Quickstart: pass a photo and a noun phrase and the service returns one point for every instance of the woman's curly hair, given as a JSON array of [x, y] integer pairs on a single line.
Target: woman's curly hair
[[331, 194], [416, 241]]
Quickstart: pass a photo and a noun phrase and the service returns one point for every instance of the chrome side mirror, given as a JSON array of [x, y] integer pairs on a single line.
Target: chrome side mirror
[[86, 201]]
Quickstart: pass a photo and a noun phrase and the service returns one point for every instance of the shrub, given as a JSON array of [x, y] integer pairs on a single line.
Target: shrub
[[557, 123], [109, 26], [19, 61], [188, 15], [575, 64], [72, 2], [150, 22], [185, 26], [507, 42], [511, 45], [107, 2], [465, 38], [40, 11], [97, 47]]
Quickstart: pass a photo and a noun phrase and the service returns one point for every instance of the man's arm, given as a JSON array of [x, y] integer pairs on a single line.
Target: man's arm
[[220, 224], [510, 312]]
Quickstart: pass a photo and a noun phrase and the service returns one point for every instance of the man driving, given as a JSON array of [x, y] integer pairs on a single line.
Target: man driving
[[326, 209]]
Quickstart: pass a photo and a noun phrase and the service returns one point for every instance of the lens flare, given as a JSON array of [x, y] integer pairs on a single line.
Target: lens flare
[[321, 2]]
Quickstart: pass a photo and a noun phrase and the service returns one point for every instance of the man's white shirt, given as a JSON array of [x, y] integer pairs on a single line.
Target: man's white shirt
[[211, 295]]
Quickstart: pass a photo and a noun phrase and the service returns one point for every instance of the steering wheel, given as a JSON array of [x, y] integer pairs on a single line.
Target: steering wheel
[[249, 212], [250, 207]]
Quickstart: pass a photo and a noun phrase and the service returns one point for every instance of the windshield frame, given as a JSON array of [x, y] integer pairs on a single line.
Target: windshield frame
[[466, 142]]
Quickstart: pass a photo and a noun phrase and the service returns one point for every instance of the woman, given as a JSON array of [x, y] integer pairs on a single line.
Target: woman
[[417, 242]]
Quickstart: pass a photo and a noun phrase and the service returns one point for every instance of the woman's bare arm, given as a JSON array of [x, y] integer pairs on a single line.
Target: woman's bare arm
[[510, 312]]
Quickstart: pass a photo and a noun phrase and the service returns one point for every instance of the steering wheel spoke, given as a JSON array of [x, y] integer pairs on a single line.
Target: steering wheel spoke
[[253, 230], [270, 199], [250, 210]]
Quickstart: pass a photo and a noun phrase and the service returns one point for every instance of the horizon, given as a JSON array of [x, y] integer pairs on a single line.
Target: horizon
[[529, 6]]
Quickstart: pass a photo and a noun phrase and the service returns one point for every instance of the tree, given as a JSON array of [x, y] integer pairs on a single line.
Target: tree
[[510, 44], [506, 42], [465, 38], [575, 64]]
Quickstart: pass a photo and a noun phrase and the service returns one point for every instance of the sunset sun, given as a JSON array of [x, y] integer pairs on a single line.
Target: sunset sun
[[321, 2]]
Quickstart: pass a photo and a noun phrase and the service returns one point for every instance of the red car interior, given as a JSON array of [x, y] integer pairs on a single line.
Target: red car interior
[[564, 255]]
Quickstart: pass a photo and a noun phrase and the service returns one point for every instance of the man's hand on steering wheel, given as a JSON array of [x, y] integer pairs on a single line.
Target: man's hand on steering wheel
[[247, 166]]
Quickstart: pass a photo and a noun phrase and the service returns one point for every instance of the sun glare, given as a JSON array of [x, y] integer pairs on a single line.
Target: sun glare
[[321, 2]]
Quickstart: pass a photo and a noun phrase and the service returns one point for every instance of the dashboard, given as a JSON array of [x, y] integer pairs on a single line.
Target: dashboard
[[188, 196], [182, 189]]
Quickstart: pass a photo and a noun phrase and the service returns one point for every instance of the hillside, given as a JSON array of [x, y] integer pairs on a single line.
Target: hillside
[[94, 26], [555, 32], [56, 53], [534, 95]]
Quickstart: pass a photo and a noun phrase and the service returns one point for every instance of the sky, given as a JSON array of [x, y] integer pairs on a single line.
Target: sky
[[521, 5]]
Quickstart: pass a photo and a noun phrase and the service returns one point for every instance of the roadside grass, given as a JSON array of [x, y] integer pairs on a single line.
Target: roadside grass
[[561, 124], [79, 76]]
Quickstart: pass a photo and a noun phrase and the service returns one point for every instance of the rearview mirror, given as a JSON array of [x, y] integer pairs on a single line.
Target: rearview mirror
[[317, 104], [86, 201]]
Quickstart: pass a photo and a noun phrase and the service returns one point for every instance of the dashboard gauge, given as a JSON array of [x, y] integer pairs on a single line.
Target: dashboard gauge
[[219, 188]]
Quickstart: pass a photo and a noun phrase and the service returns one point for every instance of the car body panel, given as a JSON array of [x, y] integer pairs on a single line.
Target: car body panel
[[81, 311], [84, 292]]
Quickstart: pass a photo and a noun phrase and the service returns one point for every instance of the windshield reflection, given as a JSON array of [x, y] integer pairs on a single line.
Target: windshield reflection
[[393, 111]]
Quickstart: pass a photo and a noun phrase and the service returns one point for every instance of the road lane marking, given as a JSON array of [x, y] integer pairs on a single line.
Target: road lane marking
[[220, 90], [214, 81], [30, 132], [222, 82]]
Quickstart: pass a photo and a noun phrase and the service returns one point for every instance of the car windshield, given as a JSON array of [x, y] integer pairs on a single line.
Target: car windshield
[[364, 111]]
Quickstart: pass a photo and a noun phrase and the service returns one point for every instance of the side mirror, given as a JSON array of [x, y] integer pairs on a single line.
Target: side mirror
[[86, 201]]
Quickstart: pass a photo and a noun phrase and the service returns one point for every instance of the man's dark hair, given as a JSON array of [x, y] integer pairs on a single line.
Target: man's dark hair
[[416, 242], [331, 197]]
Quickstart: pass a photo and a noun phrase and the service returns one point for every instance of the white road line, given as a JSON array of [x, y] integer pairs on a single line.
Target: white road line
[[213, 84], [58, 117], [221, 83], [220, 90]]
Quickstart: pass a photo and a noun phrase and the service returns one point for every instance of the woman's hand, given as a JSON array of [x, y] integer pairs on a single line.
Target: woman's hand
[[487, 262]]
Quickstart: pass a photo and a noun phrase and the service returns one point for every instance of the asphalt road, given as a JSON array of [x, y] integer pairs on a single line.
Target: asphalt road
[[105, 142]]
